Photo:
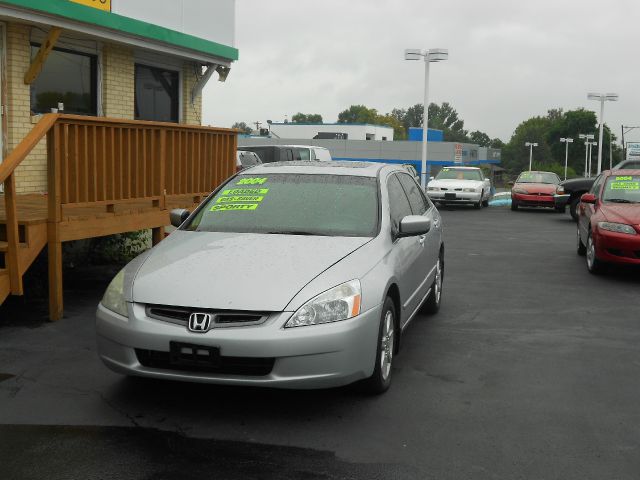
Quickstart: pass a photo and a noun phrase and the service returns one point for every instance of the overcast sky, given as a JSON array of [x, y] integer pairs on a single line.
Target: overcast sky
[[508, 60]]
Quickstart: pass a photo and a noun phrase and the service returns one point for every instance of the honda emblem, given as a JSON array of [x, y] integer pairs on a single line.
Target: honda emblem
[[200, 322]]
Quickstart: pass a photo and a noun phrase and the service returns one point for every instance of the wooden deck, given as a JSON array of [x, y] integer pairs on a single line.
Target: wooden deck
[[33, 209], [104, 176]]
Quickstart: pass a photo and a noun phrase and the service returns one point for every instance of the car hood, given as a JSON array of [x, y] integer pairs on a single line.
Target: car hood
[[537, 187], [456, 183], [236, 271], [628, 213]]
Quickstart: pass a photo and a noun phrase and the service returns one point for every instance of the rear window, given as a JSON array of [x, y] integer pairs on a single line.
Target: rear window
[[249, 159], [458, 174], [295, 204], [622, 189]]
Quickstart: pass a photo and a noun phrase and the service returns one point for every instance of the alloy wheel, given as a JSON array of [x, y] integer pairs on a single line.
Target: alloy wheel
[[386, 345]]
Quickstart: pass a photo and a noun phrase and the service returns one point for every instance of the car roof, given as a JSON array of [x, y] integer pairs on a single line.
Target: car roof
[[626, 172], [305, 146], [359, 169], [460, 168], [537, 171]]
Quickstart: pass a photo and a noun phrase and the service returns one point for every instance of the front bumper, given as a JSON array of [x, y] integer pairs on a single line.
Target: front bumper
[[617, 247], [454, 197], [320, 356], [561, 201], [522, 200]]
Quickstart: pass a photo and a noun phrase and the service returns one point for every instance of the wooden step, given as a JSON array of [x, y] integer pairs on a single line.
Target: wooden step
[[4, 246]]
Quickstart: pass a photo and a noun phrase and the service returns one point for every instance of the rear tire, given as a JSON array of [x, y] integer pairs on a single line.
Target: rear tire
[[485, 203], [594, 265], [432, 305], [380, 380]]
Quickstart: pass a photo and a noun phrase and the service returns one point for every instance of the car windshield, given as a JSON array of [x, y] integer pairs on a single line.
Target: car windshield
[[622, 189], [249, 159], [293, 204], [538, 177], [458, 174]]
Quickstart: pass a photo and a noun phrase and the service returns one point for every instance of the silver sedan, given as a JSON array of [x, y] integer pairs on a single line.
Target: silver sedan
[[289, 275]]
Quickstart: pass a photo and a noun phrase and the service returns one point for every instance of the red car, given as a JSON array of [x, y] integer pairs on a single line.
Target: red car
[[535, 189], [609, 220]]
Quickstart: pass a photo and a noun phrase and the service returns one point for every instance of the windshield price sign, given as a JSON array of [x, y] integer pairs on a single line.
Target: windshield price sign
[[99, 4]]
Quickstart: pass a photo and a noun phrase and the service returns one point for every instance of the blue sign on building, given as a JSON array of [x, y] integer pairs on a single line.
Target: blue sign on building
[[415, 135]]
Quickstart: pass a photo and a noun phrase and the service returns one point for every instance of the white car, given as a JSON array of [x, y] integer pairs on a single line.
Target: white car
[[312, 152], [460, 185]]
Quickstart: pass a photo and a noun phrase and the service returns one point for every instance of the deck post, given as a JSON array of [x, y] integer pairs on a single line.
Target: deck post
[[54, 250], [54, 243], [13, 240]]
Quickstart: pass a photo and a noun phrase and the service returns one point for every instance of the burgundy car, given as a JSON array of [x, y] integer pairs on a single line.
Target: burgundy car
[[535, 189], [609, 220]]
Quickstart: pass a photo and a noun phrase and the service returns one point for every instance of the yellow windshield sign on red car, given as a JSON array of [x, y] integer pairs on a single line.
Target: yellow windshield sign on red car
[[625, 186], [99, 4]]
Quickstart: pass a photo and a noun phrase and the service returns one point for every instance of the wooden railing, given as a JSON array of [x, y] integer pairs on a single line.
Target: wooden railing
[[103, 161]]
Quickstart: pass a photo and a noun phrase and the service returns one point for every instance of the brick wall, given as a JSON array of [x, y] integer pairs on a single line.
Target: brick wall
[[117, 100], [191, 113], [118, 82], [31, 175]]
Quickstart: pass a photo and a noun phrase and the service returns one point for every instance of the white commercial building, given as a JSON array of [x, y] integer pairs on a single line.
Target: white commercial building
[[332, 131]]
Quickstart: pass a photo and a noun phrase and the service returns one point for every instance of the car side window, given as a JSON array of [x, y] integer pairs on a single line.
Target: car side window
[[313, 154], [417, 201], [399, 206]]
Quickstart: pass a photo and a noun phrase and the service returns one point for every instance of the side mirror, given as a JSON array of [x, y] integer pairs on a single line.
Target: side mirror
[[588, 198], [178, 216], [414, 225]]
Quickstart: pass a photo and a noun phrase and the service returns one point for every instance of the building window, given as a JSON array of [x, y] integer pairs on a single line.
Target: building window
[[157, 94], [68, 78]]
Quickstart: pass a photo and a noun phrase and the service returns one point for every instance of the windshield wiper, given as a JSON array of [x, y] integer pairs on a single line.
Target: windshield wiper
[[619, 200], [291, 232]]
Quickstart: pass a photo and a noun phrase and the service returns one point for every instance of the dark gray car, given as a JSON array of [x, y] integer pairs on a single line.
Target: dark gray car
[[288, 275]]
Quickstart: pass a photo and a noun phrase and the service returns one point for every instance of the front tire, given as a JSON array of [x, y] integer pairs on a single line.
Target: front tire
[[514, 205], [432, 305], [380, 380], [594, 265]]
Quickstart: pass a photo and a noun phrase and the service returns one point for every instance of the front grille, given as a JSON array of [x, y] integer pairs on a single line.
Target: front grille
[[221, 318], [246, 366]]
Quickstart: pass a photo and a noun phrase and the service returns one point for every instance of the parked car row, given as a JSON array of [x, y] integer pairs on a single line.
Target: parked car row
[[290, 275], [607, 214]]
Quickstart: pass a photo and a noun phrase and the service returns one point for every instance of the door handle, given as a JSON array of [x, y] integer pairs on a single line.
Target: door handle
[[421, 239]]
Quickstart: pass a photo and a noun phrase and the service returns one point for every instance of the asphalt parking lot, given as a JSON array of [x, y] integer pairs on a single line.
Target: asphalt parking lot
[[530, 370]]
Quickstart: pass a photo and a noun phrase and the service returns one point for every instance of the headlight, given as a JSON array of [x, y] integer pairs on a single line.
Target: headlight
[[433, 189], [617, 227], [471, 190], [560, 190], [114, 296], [339, 303], [521, 191]]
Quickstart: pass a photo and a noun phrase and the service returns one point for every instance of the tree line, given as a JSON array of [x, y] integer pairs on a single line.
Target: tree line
[[546, 131]]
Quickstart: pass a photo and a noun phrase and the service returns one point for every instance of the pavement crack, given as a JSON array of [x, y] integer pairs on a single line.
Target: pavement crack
[[119, 410]]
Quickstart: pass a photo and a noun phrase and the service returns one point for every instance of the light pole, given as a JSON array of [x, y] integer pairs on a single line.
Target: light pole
[[601, 97], [586, 137], [428, 56], [530, 145], [591, 145], [566, 141]]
